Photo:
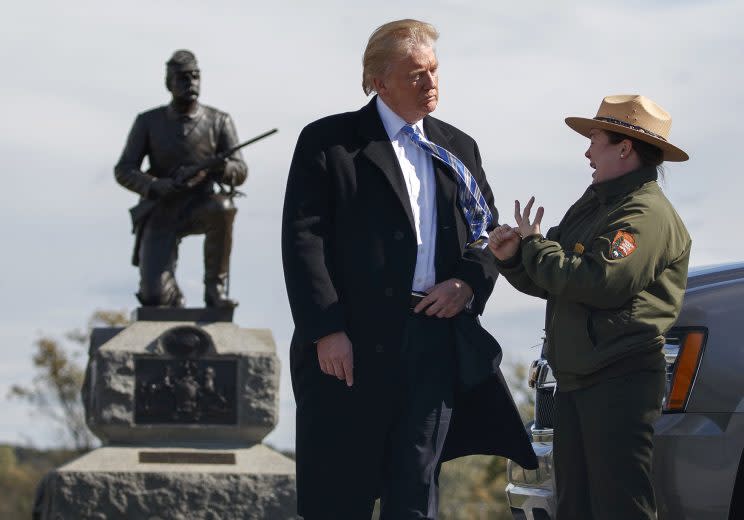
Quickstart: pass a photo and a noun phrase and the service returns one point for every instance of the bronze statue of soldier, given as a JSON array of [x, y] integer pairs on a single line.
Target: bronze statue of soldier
[[177, 193]]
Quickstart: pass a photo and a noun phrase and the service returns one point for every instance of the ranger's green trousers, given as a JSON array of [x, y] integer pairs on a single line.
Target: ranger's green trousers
[[603, 446]]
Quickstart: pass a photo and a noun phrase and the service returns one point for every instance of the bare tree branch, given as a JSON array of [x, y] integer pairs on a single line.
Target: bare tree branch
[[55, 389]]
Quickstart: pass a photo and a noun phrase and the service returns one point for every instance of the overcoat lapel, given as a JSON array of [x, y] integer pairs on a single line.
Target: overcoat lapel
[[379, 151]]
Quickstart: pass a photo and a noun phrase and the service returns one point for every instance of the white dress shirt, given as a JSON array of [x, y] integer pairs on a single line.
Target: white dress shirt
[[418, 174]]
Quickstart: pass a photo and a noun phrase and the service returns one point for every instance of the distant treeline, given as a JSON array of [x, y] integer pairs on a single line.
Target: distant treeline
[[21, 469]]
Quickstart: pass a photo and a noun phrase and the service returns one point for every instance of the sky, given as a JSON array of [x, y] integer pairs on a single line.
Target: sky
[[75, 74]]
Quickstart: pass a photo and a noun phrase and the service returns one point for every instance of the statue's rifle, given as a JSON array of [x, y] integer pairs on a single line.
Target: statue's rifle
[[141, 210], [218, 159]]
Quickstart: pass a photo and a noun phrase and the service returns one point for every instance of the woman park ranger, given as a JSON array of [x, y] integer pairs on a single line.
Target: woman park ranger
[[613, 273]]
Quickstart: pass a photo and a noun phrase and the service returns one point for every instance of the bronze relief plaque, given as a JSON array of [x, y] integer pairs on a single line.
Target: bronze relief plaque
[[185, 391]]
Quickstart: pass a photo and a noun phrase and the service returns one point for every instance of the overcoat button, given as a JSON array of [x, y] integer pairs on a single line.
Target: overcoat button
[[398, 235], [379, 348], [388, 291]]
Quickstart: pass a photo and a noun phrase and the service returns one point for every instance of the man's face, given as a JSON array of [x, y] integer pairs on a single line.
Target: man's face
[[410, 86], [184, 85]]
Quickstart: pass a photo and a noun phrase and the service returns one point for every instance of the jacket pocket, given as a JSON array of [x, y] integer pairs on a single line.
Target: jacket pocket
[[572, 344], [606, 325]]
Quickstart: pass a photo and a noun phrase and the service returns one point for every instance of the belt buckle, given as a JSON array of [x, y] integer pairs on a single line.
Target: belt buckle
[[416, 297]]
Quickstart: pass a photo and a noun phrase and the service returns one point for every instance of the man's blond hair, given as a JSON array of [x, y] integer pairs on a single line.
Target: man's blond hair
[[391, 41]]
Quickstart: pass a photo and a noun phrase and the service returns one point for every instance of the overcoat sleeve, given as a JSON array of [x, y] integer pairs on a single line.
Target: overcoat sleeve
[[477, 267], [307, 225]]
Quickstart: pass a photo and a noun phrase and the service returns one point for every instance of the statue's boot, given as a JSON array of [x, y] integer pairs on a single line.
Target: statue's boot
[[160, 291], [215, 293], [217, 247]]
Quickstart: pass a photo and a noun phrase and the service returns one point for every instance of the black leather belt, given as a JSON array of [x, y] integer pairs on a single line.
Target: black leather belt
[[416, 299]]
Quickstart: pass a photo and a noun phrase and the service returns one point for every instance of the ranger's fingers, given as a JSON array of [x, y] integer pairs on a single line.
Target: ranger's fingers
[[528, 209], [539, 215], [517, 213]]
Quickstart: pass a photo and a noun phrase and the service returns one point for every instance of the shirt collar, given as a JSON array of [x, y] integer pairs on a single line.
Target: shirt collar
[[393, 122], [174, 114], [625, 183]]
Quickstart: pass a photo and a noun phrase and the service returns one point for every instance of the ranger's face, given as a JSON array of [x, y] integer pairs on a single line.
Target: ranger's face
[[603, 156]]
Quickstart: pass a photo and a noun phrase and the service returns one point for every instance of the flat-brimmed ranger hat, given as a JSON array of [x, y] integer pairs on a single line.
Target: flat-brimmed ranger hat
[[635, 116]]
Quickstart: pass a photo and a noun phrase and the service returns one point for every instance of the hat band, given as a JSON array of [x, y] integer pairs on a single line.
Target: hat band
[[628, 125]]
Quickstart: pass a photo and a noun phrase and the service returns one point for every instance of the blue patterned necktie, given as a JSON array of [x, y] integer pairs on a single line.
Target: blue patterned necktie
[[472, 202]]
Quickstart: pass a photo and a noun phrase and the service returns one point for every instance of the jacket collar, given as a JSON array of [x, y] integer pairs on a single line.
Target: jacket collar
[[393, 123], [436, 133], [624, 184], [174, 114], [371, 127]]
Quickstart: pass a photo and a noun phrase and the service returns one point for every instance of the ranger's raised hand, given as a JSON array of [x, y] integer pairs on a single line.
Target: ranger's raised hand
[[527, 228]]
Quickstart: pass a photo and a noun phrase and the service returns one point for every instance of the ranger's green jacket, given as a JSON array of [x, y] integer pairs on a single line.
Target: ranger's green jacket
[[614, 272]]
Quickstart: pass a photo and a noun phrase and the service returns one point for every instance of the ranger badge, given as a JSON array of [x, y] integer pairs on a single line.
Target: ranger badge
[[622, 245]]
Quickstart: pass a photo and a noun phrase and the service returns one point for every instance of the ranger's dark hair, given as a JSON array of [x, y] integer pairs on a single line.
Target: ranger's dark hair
[[649, 154]]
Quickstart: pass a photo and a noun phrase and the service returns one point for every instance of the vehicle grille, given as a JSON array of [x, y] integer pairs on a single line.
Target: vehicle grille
[[518, 514], [544, 408]]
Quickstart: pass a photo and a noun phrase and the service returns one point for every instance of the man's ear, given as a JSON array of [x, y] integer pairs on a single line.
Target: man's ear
[[379, 85]]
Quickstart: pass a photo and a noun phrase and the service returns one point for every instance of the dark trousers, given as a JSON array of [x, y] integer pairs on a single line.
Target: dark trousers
[[210, 215], [384, 436], [603, 446]]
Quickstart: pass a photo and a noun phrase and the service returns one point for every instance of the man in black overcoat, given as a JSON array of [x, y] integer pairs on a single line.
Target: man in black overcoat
[[391, 370]]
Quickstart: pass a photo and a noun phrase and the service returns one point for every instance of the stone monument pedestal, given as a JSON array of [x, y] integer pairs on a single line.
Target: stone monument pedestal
[[182, 407], [165, 483]]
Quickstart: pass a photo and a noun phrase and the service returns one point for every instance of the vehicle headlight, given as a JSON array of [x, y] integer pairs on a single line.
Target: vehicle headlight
[[683, 351], [540, 374]]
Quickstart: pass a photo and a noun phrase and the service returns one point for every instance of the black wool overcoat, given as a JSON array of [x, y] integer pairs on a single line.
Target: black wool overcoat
[[349, 253]]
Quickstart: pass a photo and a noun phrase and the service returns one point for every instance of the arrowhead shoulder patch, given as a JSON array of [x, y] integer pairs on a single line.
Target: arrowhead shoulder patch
[[622, 245]]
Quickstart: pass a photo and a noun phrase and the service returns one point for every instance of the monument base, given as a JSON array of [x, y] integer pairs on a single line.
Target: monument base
[[195, 314], [147, 483]]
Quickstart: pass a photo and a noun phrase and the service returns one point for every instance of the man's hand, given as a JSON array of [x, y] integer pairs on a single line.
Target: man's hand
[[161, 188], [445, 299], [503, 242], [335, 356]]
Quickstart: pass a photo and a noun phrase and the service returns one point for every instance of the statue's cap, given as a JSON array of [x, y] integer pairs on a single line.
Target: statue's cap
[[182, 60]]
